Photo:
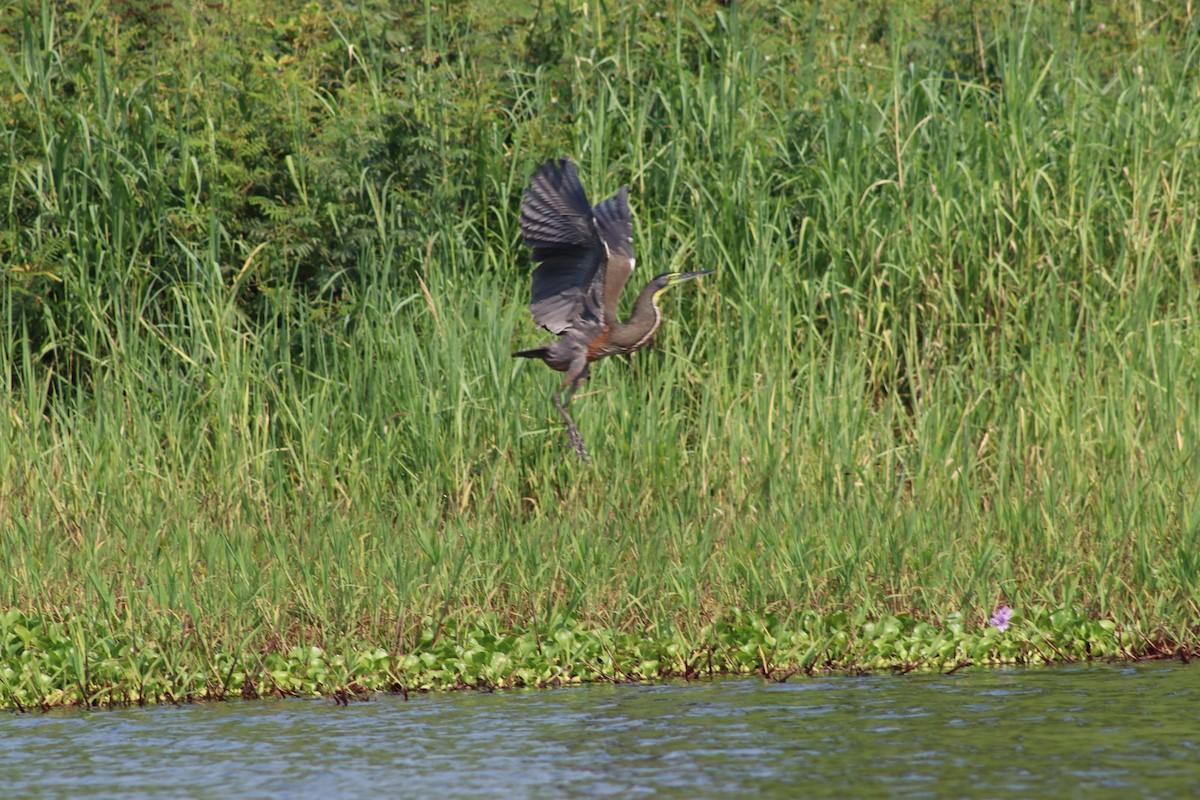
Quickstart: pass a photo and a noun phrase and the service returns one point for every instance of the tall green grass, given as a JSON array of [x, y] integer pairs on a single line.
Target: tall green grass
[[258, 306]]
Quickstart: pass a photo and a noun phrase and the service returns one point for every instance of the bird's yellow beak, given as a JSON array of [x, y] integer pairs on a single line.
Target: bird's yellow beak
[[687, 276]]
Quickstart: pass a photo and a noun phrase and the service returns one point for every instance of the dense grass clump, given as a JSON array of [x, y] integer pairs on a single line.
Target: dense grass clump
[[261, 276]]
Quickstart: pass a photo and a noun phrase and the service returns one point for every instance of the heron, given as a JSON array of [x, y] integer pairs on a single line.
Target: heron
[[584, 256]]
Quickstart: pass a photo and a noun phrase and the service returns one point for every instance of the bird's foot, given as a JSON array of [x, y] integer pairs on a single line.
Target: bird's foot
[[577, 443]]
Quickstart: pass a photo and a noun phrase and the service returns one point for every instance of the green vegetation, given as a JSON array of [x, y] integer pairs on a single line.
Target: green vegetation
[[261, 275], [66, 669]]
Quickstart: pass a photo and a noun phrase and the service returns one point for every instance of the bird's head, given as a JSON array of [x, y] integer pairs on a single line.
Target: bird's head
[[669, 279]]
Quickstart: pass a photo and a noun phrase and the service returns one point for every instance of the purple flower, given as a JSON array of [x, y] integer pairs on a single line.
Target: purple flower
[[1000, 618]]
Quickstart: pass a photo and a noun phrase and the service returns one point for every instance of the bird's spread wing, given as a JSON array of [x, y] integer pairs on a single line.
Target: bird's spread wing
[[616, 231], [612, 221], [558, 225]]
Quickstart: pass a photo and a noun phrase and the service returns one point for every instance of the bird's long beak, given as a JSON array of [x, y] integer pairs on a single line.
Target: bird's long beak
[[687, 276]]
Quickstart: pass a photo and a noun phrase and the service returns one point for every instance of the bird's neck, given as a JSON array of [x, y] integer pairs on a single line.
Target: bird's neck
[[635, 333]]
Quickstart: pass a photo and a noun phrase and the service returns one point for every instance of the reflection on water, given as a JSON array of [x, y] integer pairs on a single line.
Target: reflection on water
[[1095, 731]]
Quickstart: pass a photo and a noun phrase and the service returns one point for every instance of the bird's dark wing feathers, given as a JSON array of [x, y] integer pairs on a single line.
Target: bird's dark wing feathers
[[569, 239], [557, 224], [556, 212], [613, 223]]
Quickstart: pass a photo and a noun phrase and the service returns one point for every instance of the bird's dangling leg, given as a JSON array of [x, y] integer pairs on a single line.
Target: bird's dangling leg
[[569, 385], [573, 434]]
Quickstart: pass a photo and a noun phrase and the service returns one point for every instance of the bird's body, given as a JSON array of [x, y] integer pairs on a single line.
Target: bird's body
[[597, 342], [585, 257]]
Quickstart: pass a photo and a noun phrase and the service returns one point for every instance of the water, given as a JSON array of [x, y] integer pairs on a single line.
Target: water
[[1117, 731]]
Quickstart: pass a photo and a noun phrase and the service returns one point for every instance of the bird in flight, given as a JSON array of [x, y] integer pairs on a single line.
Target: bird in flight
[[584, 256]]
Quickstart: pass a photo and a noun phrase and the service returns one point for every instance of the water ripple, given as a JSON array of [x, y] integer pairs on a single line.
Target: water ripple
[[1121, 731]]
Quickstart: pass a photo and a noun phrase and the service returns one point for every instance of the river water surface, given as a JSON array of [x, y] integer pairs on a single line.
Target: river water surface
[[1121, 731]]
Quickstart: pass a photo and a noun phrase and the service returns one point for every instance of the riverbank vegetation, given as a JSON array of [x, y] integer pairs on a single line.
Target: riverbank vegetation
[[261, 275]]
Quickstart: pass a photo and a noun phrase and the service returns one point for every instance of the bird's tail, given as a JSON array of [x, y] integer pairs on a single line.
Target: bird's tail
[[537, 352]]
